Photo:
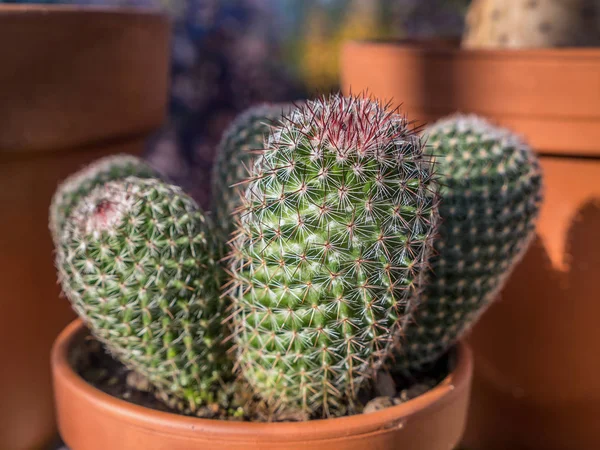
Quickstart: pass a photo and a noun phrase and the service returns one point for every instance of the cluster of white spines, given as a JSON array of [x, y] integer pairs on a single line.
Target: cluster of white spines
[[80, 183]]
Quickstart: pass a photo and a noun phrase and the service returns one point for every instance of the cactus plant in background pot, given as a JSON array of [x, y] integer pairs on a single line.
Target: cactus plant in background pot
[[318, 310]]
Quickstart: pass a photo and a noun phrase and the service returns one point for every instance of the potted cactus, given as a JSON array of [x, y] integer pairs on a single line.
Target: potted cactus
[[312, 305], [531, 66]]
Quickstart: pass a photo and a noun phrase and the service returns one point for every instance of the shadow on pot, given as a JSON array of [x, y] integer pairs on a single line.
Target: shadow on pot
[[536, 378]]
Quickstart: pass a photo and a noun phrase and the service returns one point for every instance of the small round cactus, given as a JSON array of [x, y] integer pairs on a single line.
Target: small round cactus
[[242, 140], [330, 255], [84, 181], [137, 262], [532, 24], [490, 198]]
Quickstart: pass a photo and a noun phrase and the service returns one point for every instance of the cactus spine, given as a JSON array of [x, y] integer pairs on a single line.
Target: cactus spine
[[84, 181], [490, 197], [137, 262], [331, 252], [242, 140]]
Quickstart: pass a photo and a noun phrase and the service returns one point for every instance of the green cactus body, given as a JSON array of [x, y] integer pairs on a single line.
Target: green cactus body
[[328, 261], [83, 182], [490, 198], [244, 138], [137, 263]]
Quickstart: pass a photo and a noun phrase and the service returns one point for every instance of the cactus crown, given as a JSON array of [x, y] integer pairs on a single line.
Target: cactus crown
[[70, 192], [335, 233], [491, 194], [138, 265]]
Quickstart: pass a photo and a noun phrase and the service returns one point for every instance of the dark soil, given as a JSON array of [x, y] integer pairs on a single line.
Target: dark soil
[[99, 369]]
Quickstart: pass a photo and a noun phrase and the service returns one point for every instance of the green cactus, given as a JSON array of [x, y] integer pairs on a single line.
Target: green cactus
[[490, 198], [84, 181], [137, 262], [329, 257], [241, 141]]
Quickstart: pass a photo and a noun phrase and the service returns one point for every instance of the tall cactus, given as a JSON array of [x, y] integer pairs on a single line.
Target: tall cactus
[[242, 140], [81, 183], [137, 262], [331, 252], [490, 198]]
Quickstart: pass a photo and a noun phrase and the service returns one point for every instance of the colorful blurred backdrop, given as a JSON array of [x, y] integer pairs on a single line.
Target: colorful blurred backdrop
[[230, 54]]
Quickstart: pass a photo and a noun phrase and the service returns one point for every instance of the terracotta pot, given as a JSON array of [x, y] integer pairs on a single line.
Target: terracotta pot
[[536, 372], [92, 420], [76, 84], [552, 96], [535, 383]]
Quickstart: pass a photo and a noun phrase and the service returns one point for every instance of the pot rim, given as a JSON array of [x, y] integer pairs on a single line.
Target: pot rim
[[173, 424], [451, 47], [12, 10]]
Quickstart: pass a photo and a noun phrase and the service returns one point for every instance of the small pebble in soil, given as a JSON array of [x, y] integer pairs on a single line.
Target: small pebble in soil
[[378, 403], [136, 381], [385, 385]]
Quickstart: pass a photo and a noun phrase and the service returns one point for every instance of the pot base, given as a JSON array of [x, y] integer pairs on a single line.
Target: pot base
[[90, 419]]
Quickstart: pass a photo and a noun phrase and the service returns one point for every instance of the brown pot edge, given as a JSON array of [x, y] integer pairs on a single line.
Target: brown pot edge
[[451, 47], [65, 9], [453, 386]]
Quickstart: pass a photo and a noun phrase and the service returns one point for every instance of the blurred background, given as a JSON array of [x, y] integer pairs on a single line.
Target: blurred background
[[230, 54]]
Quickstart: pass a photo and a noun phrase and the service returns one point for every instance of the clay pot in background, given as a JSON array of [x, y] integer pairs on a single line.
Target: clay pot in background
[[535, 350], [76, 84], [536, 383], [89, 419]]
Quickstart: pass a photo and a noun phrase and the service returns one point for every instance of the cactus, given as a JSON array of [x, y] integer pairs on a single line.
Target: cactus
[[532, 23], [83, 182], [490, 198], [329, 257], [138, 265], [241, 141]]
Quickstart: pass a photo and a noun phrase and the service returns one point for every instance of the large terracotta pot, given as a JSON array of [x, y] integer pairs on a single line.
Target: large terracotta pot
[[75, 84], [535, 382], [92, 420]]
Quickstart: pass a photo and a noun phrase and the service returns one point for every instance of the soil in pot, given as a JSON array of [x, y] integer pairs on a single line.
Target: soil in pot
[[98, 368], [90, 419]]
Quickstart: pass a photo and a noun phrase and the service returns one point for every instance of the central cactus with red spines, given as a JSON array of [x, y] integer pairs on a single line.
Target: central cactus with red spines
[[330, 255]]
